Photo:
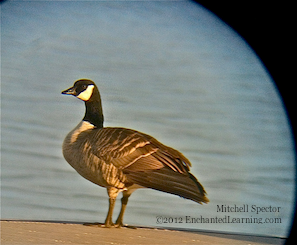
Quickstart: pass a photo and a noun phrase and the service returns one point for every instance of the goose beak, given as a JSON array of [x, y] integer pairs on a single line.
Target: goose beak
[[69, 91]]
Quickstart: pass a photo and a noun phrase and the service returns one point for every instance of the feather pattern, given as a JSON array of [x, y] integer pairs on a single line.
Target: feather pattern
[[124, 147], [166, 180], [144, 161]]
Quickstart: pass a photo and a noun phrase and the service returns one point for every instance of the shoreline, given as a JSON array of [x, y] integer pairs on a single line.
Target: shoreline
[[64, 232]]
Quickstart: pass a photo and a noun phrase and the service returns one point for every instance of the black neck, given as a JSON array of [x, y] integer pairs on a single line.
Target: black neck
[[94, 114]]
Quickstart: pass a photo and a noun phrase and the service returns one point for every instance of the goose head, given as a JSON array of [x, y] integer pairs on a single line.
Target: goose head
[[86, 90], [83, 89]]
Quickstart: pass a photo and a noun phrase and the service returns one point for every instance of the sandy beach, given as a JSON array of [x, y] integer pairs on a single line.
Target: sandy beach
[[43, 232]]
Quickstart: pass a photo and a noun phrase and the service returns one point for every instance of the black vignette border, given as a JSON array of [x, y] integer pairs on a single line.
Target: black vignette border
[[268, 28]]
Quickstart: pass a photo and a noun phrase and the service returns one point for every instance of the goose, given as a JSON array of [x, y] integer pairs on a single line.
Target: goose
[[124, 160]]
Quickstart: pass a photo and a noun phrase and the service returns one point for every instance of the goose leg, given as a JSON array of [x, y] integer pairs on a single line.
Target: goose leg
[[119, 222], [108, 221], [112, 193]]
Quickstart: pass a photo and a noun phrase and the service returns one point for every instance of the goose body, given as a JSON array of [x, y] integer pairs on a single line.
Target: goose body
[[123, 160]]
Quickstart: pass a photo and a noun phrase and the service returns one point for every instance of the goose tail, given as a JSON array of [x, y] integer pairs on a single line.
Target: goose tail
[[164, 179]]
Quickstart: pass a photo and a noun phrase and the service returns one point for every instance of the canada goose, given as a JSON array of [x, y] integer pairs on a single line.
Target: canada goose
[[123, 160]]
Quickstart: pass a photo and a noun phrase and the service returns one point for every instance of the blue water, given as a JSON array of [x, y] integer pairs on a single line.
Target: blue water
[[170, 69]]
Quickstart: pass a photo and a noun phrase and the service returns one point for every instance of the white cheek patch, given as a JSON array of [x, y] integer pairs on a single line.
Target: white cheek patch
[[86, 94]]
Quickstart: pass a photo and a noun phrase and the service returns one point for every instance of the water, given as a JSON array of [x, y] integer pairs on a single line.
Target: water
[[169, 69]]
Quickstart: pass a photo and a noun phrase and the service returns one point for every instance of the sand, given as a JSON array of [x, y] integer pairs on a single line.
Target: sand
[[42, 232]]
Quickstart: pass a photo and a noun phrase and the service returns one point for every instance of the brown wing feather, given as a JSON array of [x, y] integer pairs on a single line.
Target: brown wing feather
[[147, 162], [124, 148], [183, 185]]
